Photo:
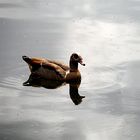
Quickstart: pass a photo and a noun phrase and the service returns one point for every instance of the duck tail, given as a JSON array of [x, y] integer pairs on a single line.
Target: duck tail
[[26, 59]]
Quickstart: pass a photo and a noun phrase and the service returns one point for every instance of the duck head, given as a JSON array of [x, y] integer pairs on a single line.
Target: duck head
[[74, 60]]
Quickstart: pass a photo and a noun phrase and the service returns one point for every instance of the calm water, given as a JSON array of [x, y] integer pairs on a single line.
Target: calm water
[[106, 34]]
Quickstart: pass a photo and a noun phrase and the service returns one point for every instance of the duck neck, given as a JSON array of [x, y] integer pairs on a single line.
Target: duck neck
[[73, 66]]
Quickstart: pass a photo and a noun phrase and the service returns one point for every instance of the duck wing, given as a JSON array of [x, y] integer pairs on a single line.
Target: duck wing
[[37, 64], [62, 65], [54, 67]]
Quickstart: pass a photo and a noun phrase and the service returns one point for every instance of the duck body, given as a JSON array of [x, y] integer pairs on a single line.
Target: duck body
[[54, 70]]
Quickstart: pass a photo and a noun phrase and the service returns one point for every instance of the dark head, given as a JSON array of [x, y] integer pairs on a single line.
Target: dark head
[[74, 60]]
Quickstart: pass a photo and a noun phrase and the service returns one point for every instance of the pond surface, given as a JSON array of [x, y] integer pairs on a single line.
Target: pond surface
[[106, 34]]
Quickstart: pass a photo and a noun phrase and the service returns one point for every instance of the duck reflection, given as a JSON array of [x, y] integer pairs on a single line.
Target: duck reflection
[[53, 84], [74, 95]]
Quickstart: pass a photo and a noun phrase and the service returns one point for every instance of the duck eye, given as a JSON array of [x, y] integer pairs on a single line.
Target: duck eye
[[75, 56]]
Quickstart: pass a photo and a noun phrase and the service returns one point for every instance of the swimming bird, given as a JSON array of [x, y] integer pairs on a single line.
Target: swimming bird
[[54, 70]]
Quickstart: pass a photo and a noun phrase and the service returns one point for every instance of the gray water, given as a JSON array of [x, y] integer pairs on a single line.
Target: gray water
[[106, 34]]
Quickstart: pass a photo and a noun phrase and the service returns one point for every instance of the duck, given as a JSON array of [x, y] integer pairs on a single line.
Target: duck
[[55, 70]]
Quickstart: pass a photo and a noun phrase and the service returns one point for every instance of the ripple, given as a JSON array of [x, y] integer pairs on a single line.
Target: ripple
[[13, 77], [100, 79], [11, 83]]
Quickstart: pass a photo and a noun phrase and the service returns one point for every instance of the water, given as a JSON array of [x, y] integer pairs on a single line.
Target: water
[[106, 34]]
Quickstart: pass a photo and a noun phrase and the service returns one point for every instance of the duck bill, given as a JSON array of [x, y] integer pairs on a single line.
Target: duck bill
[[81, 62]]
